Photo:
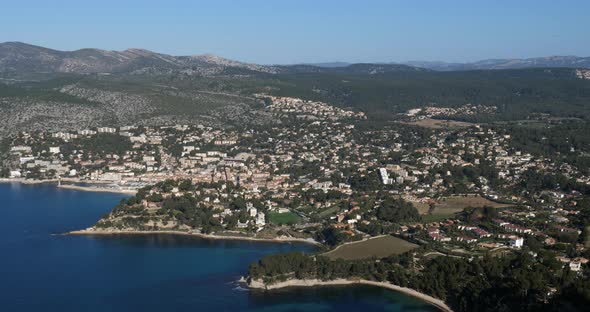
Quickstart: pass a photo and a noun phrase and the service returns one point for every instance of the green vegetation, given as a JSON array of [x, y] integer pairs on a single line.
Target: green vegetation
[[332, 236], [284, 218], [516, 282], [185, 210], [565, 141], [536, 181], [516, 93], [397, 210], [106, 143], [41, 92]]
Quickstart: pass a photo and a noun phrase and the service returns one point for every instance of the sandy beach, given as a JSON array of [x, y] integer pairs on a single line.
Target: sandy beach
[[96, 189], [93, 231], [314, 283]]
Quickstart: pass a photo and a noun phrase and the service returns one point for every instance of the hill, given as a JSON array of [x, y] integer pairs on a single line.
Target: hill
[[42, 88], [18, 57], [21, 58], [537, 62]]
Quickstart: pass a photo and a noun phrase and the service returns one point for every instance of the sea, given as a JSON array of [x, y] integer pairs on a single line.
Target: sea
[[42, 270]]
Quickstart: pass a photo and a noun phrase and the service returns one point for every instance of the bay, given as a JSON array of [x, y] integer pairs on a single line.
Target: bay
[[40, 270]]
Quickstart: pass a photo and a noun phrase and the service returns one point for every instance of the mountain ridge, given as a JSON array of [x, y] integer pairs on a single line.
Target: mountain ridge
[[22, 57], [568, 61]]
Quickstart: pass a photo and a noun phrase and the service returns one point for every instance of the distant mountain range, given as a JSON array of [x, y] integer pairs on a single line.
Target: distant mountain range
[[22, 57], [25, 58], [537, 62], [18, 58], [550, 61]]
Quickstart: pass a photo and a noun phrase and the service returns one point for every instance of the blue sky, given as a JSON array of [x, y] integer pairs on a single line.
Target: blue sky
[[294, 31]]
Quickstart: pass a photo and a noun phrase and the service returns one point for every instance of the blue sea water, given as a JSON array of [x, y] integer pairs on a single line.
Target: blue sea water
[[40, 271]]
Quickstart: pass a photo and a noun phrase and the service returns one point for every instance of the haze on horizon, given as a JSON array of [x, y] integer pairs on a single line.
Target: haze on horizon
[[306, 31]]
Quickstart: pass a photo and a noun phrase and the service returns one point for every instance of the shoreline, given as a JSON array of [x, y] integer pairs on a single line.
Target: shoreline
[[341, 282], [27, 182], [199, 235], [257, 285], [96, 189]]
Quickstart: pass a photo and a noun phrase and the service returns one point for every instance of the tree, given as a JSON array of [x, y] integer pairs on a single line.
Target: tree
[[185, 185], [397, 210]]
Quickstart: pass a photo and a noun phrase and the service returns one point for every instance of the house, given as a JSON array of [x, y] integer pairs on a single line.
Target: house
[[575, 266], [439, 237], [433, 230], [466, 239], [481, 232], [21, 149], [86, 132], [106, 130], [564, 229], [516, 242]]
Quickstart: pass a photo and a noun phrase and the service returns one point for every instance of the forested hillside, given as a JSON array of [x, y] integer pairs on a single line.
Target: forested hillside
[[209, 89]]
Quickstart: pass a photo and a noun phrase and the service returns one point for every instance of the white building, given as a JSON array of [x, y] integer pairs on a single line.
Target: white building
[[385, 176], [252, 211], [65, 135], [575, 266], [54, 149], [86, 132], [127, 128], [21, 149], [260, 219], [106, 130], [26, 159], [516, 242], [138, 139]]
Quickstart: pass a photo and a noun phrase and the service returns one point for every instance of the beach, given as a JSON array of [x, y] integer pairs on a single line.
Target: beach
[[96, 189], [316, 283], [94, 231]]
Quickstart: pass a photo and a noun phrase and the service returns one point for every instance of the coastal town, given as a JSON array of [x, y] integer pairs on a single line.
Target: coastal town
[[321, 175], [295, 156]]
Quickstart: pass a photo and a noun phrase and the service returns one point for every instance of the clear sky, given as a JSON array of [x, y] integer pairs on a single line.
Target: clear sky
[[295, 31]]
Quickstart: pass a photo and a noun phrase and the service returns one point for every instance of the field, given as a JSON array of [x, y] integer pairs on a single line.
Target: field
[[283, 218], [440, 124], [437, 215], [378, 247], [453, 204], [448, 206], [421, 207]]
